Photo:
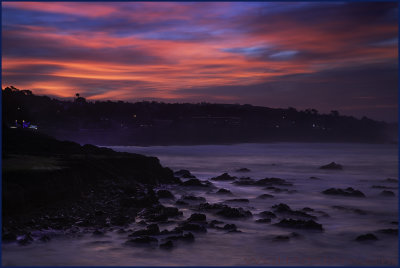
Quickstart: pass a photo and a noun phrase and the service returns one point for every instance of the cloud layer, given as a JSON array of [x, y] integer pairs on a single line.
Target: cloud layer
[[329, 56]]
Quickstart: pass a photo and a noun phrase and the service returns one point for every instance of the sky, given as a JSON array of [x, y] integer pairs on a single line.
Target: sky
[[327, 56]]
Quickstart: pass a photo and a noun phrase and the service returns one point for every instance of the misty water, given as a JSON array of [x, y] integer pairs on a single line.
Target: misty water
[[364, 166]]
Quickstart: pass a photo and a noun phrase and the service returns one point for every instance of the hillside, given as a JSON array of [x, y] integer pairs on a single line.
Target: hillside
[[155, 123]]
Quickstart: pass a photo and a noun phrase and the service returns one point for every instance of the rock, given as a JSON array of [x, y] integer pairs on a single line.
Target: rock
[[390, 180], [242, 170], [223, 177], [184, 173], [387, 193], [165, 194], [240, 200], [314, 178], [265, 196], [281, 208], [44, 238], [9, 237], [224, 191], [189, 237], [196, 182], [281, 238], [193, 198], [197, 217], [25, 239], [230, 227], [207, 206], [355, 210], [307, 209], [175, 231], [229, 212], [160, 213], [180, 202], [268, 214], [263, 221], [120, 220], [366, 237], [214, 223], [152, 229], [285, 209], [383, 187], [189, 226], [344, 192], [332, 166], [142, 240], [98, 232], [389, 231], [244, 181], [167, 245], [300, 224]]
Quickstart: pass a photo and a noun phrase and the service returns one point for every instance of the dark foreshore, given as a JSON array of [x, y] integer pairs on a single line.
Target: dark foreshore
[[57, 184]]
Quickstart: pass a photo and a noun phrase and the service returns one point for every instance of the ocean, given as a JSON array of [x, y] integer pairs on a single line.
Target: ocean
[[343, 218]]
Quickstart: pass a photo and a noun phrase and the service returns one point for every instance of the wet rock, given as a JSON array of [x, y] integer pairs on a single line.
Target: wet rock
[[196, 183], [300, 224], [165, 194], [44, 238], [181, 202], [25, 239], [285, 209], [214, 223], [197, 217], [366, 237], [120, 220], [314, 178], [263, 221], [142, 240], [190, 226], [394, 222], [184, 173], [189, 237], [344, 192], [267, 214], [307, 209], [244, 181], [193, 198], [281, 238], [390, 180], [387, 193], [9, 237], [167, 245], [175, 231], [265, 196], [208, 206], [224, 191], [349, 209], [98, 232], [230, 227], [152, 229], [224, 177], [332, 166], [242, 170], [389, 231], [240, 200], [383, 187], [160, 213], [229, 212]]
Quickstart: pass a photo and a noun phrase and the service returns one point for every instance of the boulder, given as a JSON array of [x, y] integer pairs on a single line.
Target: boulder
[[196, 183], [387, 193], [344, 192], [239, 200], [265, 196], [142, 240], [229, 212], [263, 221], [224, 191], [332, 166], [223, 177], [366, 237], [165, 194], [242, 170], [197, 217], [184, 173], [167, 245], [152, 229]]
